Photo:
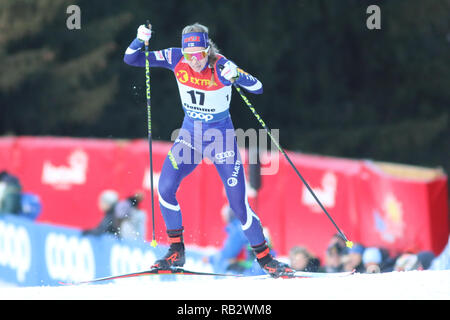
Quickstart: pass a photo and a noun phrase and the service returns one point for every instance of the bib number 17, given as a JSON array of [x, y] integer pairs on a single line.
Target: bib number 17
[[194, 94]]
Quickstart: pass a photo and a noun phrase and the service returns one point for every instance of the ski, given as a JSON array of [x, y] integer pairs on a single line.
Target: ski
[[305, 274], [181, 271], [172, 271]]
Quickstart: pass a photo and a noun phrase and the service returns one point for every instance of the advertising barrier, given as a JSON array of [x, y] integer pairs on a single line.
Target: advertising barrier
[[36, 254], [372, 203]]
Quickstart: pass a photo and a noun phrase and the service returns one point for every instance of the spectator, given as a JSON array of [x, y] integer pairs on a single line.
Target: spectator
[[333, 257], [131, 220], [232, 255], [31, 205], [442, 261], [387, 262], [353, 260], [302, 260], [122, 218], [336, 239], [407, 262], [372, 259], [425, 259], [10, 193], [106, 202], [236, 254]]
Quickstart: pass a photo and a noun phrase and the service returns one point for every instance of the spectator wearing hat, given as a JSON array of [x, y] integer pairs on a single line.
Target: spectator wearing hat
[[410, 261], [442, 261], [333, 257], [372, 259], [10, 193], [406, 262], [14, 201], [106, 203], [122, 219], [425, 259], [353, 260], [131, 221]]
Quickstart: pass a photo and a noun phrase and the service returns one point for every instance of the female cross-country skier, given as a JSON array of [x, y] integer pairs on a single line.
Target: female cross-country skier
[[204, 79]]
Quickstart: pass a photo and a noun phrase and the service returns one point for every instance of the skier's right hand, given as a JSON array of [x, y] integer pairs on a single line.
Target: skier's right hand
[[144, 33]]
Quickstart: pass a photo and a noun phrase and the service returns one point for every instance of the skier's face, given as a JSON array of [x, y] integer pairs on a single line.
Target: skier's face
[[197, 57]]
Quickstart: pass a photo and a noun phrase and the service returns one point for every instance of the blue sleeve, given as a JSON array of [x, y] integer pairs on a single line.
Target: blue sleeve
[[167, 58], [245, 80]]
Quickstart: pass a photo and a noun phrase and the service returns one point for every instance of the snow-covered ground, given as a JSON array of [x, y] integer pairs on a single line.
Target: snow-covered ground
[[394, 285]]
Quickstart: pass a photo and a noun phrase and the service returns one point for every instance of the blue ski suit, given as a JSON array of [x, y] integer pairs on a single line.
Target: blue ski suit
[[207, 131]]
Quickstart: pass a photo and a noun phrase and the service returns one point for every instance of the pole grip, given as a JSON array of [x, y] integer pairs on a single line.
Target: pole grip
[[147, 23]]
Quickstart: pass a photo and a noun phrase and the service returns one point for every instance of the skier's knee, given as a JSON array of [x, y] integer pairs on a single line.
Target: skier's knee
[[240, 212], [166, 190]]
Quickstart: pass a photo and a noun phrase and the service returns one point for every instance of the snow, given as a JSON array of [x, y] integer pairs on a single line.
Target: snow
[[409, 285]]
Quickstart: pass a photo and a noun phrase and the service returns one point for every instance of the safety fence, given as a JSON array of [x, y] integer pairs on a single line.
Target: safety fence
[[37, 254]]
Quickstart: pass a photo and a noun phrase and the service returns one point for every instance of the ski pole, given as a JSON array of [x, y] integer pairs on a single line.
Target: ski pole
[[348, 243], [149, 123]]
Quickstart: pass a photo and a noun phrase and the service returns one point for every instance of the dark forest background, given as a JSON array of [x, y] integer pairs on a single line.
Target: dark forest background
[[331, 85]]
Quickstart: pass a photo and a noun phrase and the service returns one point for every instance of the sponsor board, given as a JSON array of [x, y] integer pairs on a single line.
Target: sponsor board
[[34, 254]]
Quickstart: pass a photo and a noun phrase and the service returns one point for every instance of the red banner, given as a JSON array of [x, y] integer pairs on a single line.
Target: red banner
[[68, 175], [7, 154], [401, 214], [331, 180]]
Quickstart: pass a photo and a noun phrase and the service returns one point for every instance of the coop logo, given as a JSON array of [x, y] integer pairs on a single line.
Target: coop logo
[[326, 193], [15, 249], [198, 115], [124, 259], [63, 177], [389, 220], [69, 258]]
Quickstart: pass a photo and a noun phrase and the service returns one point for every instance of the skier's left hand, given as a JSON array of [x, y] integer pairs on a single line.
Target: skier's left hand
[[230, 71]]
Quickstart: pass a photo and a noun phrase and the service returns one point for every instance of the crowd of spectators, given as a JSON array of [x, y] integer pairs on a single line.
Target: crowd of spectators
[[362, 259], [235, 255]]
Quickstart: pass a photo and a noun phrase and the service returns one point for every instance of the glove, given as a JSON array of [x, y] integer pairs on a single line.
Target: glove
[[143, 33], [230, 71]]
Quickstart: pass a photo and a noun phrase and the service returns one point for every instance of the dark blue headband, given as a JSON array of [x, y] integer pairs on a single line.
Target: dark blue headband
[[194, 39]]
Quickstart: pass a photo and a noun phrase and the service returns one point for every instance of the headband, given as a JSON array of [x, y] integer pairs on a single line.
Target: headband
[[194, 39]]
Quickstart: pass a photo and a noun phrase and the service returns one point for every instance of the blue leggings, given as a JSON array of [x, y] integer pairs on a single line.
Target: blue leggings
[[216, 141]]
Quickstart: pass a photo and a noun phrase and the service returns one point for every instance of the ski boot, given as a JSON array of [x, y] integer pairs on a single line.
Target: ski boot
[[271, 266], [175, 257]]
